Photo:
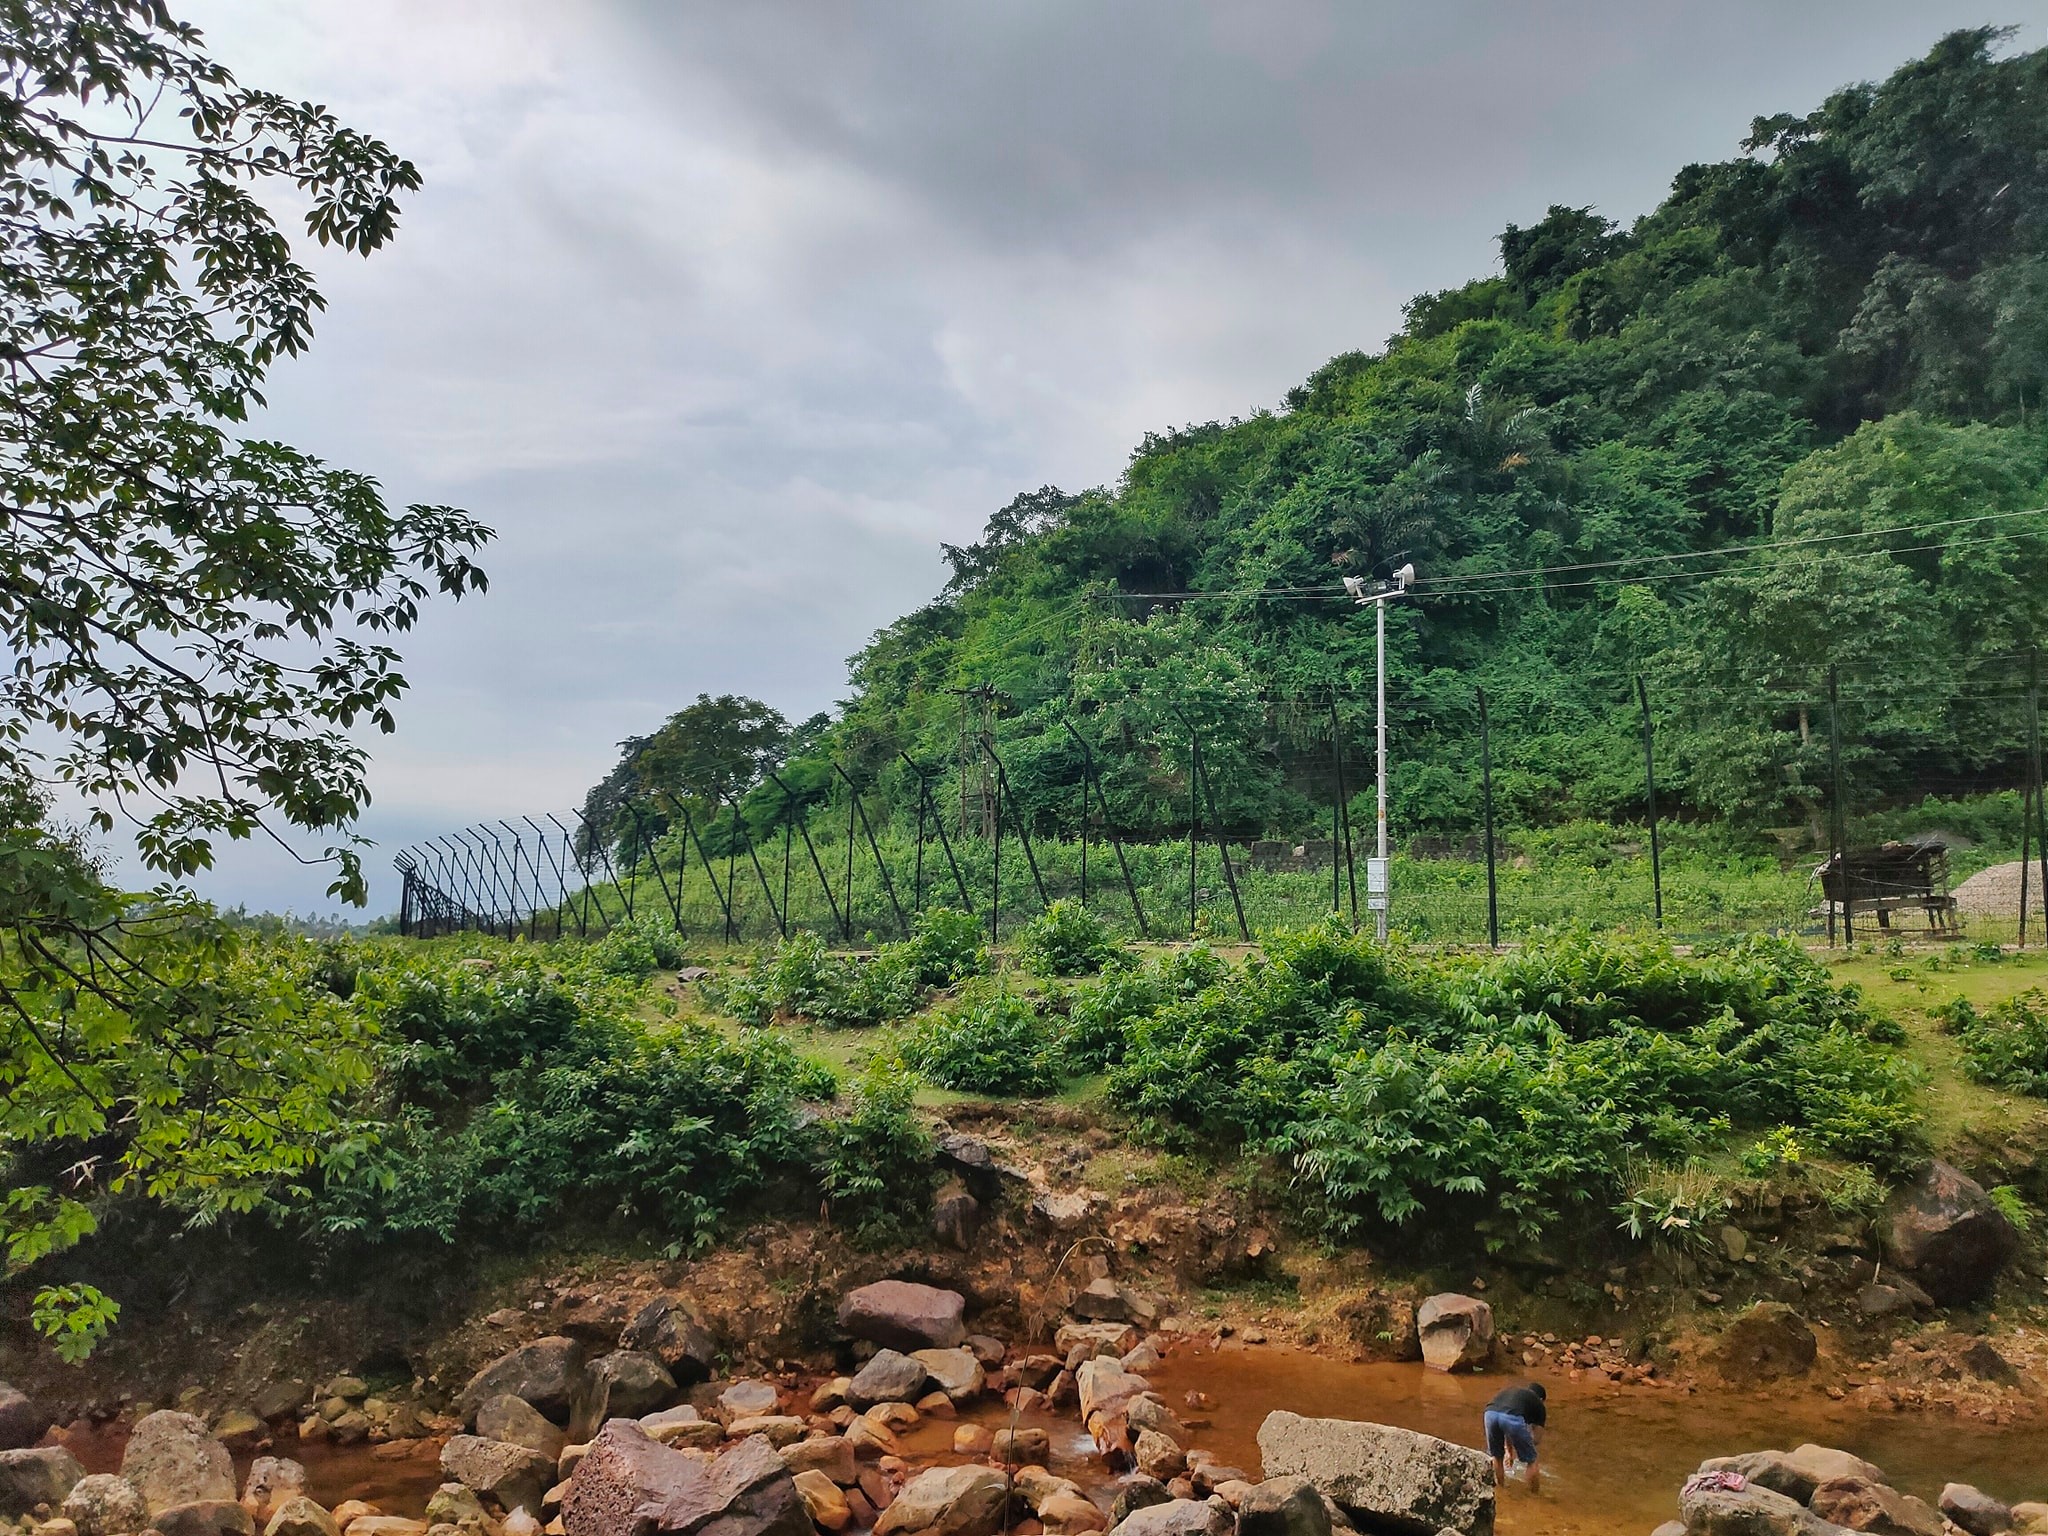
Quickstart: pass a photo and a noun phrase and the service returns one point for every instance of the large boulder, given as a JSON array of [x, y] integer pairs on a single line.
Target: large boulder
[[548, 1374], [622, 1385], [1945, 1230], [630, 1483], [1765, 1343], [1973, 1509], [1751, 1511], [1823, 1463], [517, 1422], [950, 1501], [21, 1423], [904, 1315], [103, 1504], [1282, 1506], [1176, 1517], [1396, 1479], [954, 1372], [1104, 1301], [172, 1459], [512, 1474], [272, 1482], [747, 1399], [1774, 1470], [1860, 1504], [666, 1330], [36, 1475], [1456, 1332], [829, 1454], [1106, 1387], [887, 1378]]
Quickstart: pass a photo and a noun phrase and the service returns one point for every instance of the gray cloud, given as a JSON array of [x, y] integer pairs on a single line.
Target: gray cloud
[[724, 315]]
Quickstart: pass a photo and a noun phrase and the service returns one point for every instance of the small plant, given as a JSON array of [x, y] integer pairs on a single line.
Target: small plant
[[1853, 1191], [1066, 939], [2012, 1206], [1678, 1217], [74, 1318], [1768, 1154], [994, 1045]]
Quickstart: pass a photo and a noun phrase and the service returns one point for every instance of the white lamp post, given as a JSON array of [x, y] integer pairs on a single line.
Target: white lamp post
[[1377, 886]]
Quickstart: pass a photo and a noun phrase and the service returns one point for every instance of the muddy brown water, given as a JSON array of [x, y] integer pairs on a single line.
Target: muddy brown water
[[1614, 1457]]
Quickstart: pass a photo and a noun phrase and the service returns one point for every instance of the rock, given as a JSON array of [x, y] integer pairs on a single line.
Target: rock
[[1751, 1511], [936, 1405], [548, 1374], [1670, 1528], [747, 1400], [2030, 1517], [871, 1438], [512, 1474], [956, 1216], [904, 1315], [1859, 1504], [273, 1481], [779, 1429], [949, 1501], [622, 1385], [171, 1459], [1985, 1363], [102, 1504], [889, 1377], [1159, 1455], [1768, 1469], [239, 1429], [346, 1386], [1062, 1212], [666, 1330], [1456, 1332], [1113, 1339], [1142, 1359], [1136, 1493], [895, 1417], [453, 1504], [1395, 1478], [954, 1372], [629, 1483], [686, 1434], [517, 1422], [1069, 1514], [22, 1424], [350, 1428], [1150, 1413], [1823, 1463], [824, 1502], [203, 1517], [988, 1349], [829, 1454], [384, 1525], [301, 1516], [1945, 1230], [1768, 1341], [1104, 1301], [1975, 1511], [1901, 1296], [281, 1400], [1034, 1485], [348, 1511], [1106, 1387], [1028, 1446], [1282, 1506], [1176, 1517], [972, 1440]]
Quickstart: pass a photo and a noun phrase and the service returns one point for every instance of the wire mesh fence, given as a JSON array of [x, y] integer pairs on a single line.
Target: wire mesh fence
[[858, 856]]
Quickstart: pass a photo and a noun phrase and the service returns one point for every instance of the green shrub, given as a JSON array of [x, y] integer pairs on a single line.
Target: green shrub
[[945, 947], [2006, 1046], [800, 978], [637, 948], [1067, 939], [994, 1044], [873, 1159]]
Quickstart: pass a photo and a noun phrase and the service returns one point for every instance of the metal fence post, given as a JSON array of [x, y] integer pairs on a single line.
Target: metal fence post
[[1486, 798], [1650, 779], [1838, 818]]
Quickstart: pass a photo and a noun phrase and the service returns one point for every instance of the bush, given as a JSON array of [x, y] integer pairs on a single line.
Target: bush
[[1066, 939], [2007, 1046], [996, 1044], [799, 978], [945, 947], [873, 1160], [638, 948]]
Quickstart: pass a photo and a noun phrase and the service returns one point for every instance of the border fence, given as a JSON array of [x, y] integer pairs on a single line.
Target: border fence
[[857, 859]]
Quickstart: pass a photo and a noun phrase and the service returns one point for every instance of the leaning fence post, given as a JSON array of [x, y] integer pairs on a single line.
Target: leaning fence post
[[803, 830], [1650, 779], [1838, 818], [1115, 843], [2040, 822], [1486, 799]]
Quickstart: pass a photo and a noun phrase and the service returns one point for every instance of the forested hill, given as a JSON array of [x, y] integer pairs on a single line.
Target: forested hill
[[1840, 332]]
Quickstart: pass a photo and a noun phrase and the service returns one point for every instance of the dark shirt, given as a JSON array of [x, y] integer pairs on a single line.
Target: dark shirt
[[1523, 1403]]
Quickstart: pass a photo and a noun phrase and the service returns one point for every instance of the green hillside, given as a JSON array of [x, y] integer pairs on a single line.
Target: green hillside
[[1838, 338]]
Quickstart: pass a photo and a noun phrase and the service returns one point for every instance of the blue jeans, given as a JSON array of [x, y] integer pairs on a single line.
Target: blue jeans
[[1503, 1429]]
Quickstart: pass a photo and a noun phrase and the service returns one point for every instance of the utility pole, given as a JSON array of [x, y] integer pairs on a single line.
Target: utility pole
[[1378, 888]]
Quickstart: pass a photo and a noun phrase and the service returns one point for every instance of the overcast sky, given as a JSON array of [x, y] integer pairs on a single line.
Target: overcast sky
[[725, 314]]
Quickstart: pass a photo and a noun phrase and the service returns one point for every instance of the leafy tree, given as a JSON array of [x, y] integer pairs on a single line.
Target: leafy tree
[[196, 616]]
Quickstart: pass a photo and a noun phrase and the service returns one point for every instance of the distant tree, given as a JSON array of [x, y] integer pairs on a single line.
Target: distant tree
[[703, 754], [1566, 241]]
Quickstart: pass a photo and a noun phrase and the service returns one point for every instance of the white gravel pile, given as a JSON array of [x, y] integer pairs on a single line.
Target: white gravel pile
[[1995, 892]]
